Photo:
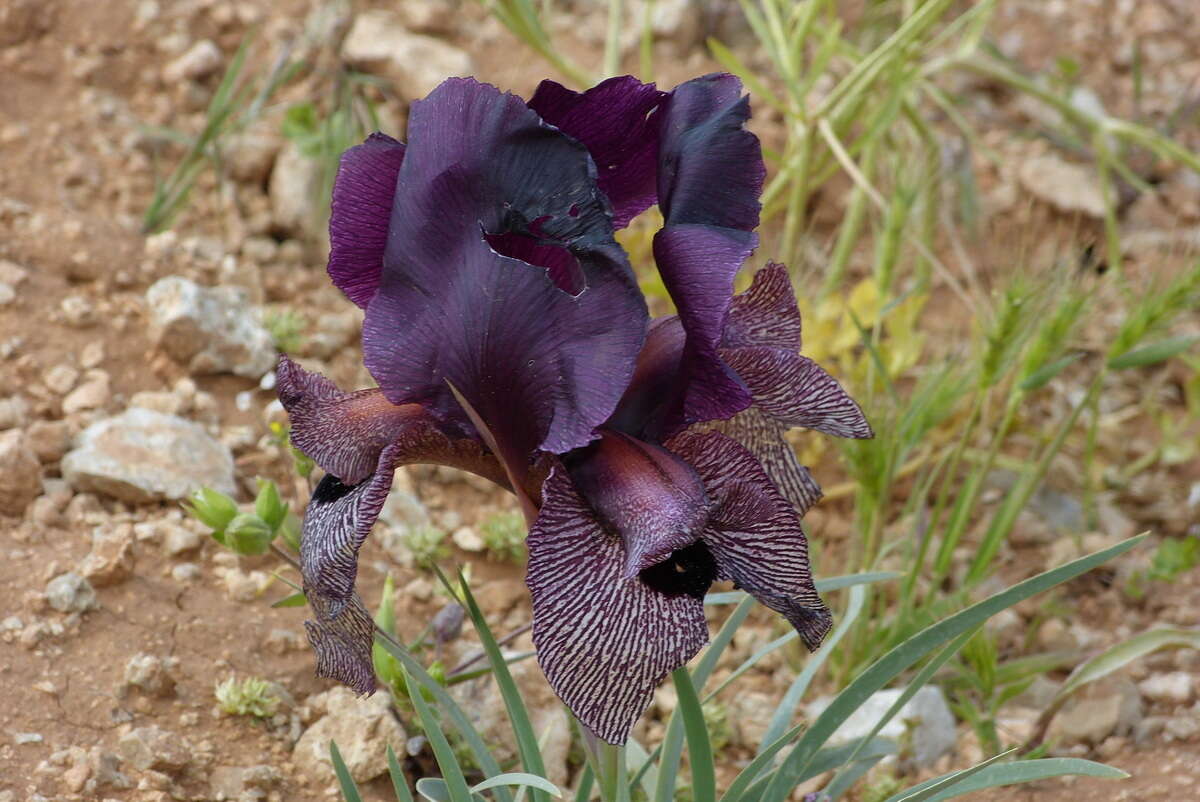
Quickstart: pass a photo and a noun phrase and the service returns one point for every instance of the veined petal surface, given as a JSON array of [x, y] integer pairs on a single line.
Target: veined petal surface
[[754, 533], [604, 641]]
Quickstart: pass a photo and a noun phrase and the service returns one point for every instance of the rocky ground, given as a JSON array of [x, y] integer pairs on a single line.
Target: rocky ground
[[134, 367]]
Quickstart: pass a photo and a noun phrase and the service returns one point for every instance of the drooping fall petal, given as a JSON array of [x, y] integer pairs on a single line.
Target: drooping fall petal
[[542, 366], [754, 533], [614, 120], [642, 492], [359, 214], [764, 438], [604, 641]]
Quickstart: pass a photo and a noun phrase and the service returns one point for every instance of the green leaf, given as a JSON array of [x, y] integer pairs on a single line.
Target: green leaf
[[268, 506], [248, 534], [212, 508], [791, 699], [446, 704], [518, 716], [349, 789], [1154, 353], [520, 779], [1010, 774], [434, 790], [295, 600], [938, 785], [289, 530], [704, 780], [904, 655], [399, 781], [1043, 375], [761, 761], [452, 773]]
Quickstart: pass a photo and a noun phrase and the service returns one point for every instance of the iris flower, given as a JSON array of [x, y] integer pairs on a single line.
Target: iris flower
[[509, 338]]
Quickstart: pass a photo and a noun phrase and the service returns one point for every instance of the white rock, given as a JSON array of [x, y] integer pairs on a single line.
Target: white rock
[[295, 182], [1070, 188], [70, 593], [1109, 707], [154, 748], [924, 727], [8, 293], [14, 411], [94, 393], [60, 378], [363, 729], [151, 673], [141, 456], [111, 559], [198, 61], [467, 539], [20, 473], [379, 43], [211, 330], [12, 273], [1174, 687]]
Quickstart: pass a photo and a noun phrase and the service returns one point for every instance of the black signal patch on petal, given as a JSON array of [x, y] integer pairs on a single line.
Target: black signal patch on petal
[[689, 571]]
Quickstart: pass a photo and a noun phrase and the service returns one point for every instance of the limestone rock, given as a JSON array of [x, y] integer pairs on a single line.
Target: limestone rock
[[362, 728], [111, 559], [243, 784], [1174, 687], [199, 61], [1070, 188], [153, 748], [70, 593], [20, 473], [1108, 707], [379, 43], [142, 456], [150, 673], [93, 393], [209, 329], [295, 182]]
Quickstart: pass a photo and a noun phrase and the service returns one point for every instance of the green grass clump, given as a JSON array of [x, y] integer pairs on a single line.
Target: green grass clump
[[252, 696], [428, 545], [503, 535]]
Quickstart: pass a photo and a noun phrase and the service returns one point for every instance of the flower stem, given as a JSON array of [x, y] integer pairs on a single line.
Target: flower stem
[[608, 764]]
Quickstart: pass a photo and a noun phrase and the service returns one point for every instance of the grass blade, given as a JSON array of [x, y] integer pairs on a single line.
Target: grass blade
[[910, 651], [345, 781], [517, 778], [416, 671], [518, 715], [704, 779], [938, 785], [761, 761], [1010, 774], [452, 773], [787, 705], [399, 781]]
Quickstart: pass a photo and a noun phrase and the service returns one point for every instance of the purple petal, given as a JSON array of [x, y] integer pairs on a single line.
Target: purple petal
[[359, 214], [603, 641], [766, 314], [754, 532], [614, 120], [764, 438], [342, 642], [345, 433], [698, 264], [644, 493], [795, 391], [542, 367], [710, 169]]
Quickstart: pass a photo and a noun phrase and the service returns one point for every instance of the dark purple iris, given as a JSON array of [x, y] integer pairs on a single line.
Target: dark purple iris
[[509, 338]]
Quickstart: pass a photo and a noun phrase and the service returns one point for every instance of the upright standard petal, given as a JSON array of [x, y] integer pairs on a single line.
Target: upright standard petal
[[359, 214], [754, 533], [615, 120], [604, 641], [642, 492], [542, 366], [710, 174]]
